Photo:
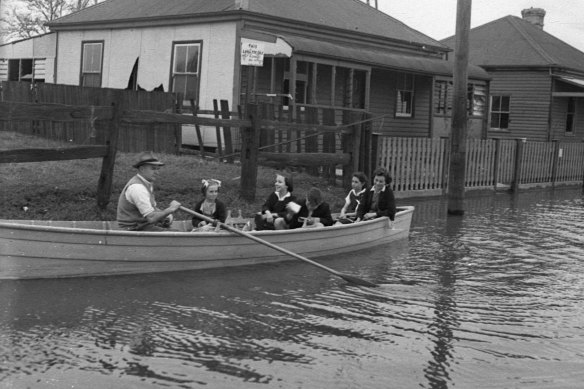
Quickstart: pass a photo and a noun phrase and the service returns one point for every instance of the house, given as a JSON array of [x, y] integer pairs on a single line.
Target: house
[[30, 59], [343, 54], [537, 80]]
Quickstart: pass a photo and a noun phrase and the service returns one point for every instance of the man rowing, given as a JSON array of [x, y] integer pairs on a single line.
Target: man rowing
[[137, 210]]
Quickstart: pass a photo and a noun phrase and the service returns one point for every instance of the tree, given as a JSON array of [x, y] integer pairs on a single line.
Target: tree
[[27, 18]]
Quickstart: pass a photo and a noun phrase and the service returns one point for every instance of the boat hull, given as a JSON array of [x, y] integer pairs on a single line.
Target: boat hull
[[46, 249]]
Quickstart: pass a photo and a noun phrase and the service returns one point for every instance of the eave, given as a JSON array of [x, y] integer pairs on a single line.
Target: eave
[[246, 16]]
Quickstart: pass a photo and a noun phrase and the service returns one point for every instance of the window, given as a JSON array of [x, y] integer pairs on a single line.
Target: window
[[185, 70], [475, 102], [500, 112], [91, 62], [477, 99], [443, 97], [405, 96], [301, 83], [570, 116]]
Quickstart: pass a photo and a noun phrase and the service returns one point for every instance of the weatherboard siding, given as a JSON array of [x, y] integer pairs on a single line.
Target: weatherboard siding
[[529, 103], [383, 102], [154, 48], [559, 116]]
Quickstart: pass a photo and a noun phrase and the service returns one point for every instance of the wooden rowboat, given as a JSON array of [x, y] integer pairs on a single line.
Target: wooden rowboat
[[54, 249]]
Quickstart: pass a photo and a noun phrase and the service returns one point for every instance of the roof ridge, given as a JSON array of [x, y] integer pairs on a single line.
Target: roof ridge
[[388, 16], [514, 20]]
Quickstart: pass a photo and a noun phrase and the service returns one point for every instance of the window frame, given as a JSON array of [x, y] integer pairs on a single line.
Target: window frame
[[403, 79], [476, 93], [570, 117], [499, 111], [301, 88], [83, 74], [443, 97], [196, 74]]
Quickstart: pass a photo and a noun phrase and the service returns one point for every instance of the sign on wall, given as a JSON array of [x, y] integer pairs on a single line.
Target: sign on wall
[[252, 53]]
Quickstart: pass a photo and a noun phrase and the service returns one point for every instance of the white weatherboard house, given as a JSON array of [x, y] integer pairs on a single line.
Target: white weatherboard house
[[338, 54], [29, 59]]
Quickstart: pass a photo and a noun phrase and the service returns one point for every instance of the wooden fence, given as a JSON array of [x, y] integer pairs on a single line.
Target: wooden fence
[[160, 137], [419, 166], [116, 115]]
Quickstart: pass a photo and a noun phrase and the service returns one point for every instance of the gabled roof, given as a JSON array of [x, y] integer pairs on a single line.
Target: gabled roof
[[347, 15], [514, 42]]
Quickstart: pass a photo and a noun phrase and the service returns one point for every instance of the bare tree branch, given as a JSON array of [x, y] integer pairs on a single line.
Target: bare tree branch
[[28, 17]]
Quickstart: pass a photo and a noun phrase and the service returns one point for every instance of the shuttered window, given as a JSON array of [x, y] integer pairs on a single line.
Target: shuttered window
[[443, 97], [476, 98]]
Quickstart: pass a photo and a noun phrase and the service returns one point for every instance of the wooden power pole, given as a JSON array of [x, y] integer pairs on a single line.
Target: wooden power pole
[[459, 128]]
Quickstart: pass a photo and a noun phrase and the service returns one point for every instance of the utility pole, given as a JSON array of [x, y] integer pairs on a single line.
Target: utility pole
[[458, 133]]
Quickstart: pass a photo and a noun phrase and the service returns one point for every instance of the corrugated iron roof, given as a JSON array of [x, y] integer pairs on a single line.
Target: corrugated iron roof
[[348, 15], [512, 41], [379, 57]]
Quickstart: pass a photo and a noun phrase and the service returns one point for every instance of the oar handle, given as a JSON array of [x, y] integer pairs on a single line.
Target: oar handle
[[261, 241]]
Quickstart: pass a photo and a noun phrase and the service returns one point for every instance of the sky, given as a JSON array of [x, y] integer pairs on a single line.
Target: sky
[[564, 19], [437, 18]]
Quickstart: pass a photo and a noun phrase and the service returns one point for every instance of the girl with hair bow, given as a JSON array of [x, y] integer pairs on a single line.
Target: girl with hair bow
[[209, 206]]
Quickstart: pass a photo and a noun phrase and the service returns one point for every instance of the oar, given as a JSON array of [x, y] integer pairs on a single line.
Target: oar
[[346, 277]]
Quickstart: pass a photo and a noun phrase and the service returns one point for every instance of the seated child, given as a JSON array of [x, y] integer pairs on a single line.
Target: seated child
[[354, 198], [314, 212], [209, 206], [274, 209]]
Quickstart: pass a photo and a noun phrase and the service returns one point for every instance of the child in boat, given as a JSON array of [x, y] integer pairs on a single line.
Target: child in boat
[[314, 211], [209, 206], [272, 215], [379, 200], [354, 198]]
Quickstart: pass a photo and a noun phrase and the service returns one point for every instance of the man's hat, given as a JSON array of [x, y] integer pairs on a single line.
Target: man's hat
[[147, 157]]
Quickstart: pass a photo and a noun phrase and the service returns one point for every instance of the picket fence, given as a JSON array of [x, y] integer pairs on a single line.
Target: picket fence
[[419, 166]]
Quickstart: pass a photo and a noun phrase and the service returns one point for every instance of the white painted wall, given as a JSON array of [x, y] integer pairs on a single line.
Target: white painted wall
[[42, 47], [154, 46]]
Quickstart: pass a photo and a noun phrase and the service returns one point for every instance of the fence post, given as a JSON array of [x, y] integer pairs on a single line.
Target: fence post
[[195, 110], [555, 158], [217, 129], [496, 162], [373, 154], [226, 114], [518, 163], [347, 139], [328, 141], [250, 140], [357, 139], [445, 164], [105, 182]]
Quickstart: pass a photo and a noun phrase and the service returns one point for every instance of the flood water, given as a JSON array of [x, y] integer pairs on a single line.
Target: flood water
[[493, 299]]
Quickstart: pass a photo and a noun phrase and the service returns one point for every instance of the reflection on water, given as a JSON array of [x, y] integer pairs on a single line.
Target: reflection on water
[[491, 299]]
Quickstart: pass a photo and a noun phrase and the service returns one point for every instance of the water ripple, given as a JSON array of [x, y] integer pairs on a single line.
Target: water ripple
[[493, 299]]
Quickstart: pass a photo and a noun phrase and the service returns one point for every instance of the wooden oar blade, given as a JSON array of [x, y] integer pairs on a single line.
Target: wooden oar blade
[[346, 277], [357, 281]]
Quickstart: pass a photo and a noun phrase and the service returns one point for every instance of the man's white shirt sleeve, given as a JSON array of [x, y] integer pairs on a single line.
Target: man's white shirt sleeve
[[138, 195]]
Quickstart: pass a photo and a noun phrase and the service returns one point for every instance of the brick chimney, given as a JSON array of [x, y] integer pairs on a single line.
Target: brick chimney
[[534, 16]]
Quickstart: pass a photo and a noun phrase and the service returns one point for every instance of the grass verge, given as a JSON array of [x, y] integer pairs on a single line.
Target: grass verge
[[66, 190]]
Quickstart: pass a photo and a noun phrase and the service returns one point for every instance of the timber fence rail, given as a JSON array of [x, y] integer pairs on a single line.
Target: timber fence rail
[[159, 137], [117, 114], [418, 166]]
